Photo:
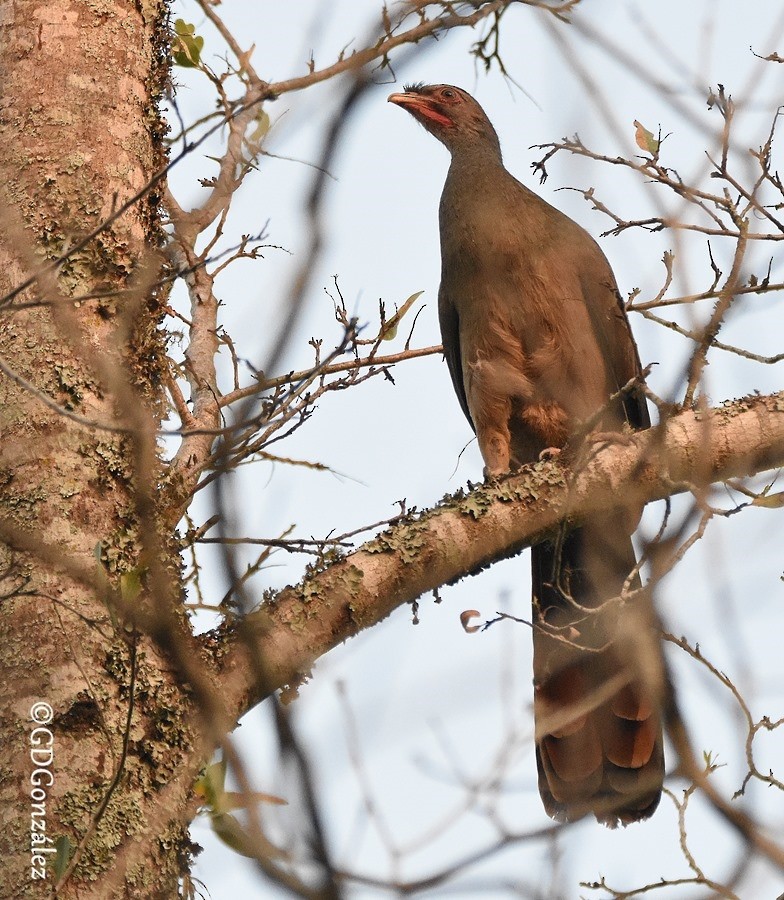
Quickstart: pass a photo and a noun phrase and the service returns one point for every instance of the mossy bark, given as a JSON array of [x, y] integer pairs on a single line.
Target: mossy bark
[[81, 134]]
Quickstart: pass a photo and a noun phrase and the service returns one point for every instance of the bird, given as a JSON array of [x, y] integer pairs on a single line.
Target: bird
[[538, 346]]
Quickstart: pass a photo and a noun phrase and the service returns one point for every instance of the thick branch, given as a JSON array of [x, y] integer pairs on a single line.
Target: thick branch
[[467, 532]]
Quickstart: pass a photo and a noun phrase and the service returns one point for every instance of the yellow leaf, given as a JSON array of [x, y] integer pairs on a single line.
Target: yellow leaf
[[209, 785], [262, 127], [645, 139], [230, 831], [131, 584], [390, 326]]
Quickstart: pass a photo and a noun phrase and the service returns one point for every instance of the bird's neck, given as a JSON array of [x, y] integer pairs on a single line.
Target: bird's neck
[[476, 173], [475, 157]]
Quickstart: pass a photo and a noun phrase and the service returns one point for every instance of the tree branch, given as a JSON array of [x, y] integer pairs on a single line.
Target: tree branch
[[278, 644]]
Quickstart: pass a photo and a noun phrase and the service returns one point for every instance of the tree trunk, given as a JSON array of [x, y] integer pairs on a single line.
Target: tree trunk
[[92, 722]]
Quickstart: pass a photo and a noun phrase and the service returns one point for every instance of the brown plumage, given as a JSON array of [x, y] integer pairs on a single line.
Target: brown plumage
[[537, 341]]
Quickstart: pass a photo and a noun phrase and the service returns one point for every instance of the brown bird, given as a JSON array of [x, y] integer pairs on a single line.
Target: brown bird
[[537, 341]]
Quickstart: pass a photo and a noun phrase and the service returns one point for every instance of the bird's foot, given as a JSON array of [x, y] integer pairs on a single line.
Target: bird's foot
[[549, 453], [491, 475]]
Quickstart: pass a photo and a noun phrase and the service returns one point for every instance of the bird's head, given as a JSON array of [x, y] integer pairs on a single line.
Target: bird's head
[[449, 114]]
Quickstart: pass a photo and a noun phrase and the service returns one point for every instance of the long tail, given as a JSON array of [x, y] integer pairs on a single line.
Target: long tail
[[599, 746]]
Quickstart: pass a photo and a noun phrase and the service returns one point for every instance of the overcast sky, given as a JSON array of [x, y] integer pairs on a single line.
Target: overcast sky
[[434, 708]]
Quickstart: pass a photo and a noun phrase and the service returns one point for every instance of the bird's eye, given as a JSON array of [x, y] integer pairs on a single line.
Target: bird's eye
[[448, 94]]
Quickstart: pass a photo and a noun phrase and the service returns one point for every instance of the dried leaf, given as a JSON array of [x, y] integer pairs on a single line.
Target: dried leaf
[[238, 800], [645, 139], [769, 501], [465, 619]]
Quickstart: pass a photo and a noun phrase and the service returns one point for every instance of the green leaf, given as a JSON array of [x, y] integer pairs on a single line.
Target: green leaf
[[390, 326], [230, 831], [210, 785], [262, 127], [62, 855], [183, 28], [186, 45], [131, 584]]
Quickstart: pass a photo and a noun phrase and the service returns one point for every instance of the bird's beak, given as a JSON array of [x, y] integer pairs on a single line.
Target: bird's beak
[[403, 99], [416, 103]]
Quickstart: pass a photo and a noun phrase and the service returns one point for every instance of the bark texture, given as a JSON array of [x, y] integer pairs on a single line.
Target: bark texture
[[81, 135]]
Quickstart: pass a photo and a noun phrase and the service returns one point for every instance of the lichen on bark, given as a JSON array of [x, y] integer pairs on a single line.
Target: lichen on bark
[[84, 334]]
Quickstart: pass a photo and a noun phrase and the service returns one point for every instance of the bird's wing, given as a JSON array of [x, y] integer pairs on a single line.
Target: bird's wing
[[450, 336], [611, 328]]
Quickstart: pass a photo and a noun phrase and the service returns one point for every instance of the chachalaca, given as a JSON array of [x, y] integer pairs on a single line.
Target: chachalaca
[[537, 342]]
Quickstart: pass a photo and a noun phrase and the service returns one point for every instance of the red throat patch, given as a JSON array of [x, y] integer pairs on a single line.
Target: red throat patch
[[430, 113]]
